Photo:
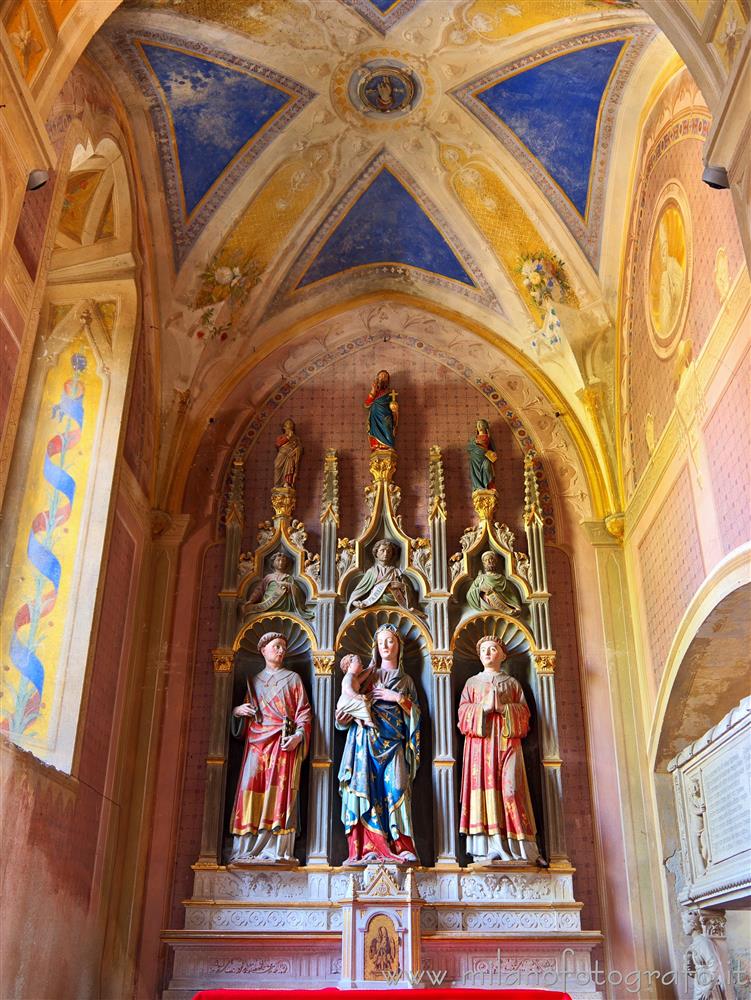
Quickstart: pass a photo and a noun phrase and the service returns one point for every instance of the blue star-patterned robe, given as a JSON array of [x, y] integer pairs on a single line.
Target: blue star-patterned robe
[[379, 764]]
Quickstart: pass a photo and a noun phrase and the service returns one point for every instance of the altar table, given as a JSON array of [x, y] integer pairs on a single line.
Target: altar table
[[401, 994]]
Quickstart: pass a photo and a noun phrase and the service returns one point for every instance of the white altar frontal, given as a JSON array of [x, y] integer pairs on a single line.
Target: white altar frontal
[[430, 914]]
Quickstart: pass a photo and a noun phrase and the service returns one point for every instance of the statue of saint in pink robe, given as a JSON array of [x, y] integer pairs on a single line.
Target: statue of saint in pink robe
[[496, 811]]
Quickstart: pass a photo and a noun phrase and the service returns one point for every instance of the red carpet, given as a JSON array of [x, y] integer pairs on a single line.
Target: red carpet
[[330, 994]]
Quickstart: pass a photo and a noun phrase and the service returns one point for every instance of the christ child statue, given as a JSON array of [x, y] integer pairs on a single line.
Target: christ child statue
[[352, 701]]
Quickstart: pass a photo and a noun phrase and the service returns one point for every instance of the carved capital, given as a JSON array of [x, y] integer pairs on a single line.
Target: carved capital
[[283, 500], [615, 524], [382, 465], [160, 522], [545, 663], [484, 503], [441, 663], [223, 660], [323, 664], [713, 923]]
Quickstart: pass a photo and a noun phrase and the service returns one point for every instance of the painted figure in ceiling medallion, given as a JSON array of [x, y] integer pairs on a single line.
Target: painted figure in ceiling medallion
[[379, 763], [490, 590], [383, 412], [482, 457], [275, 721], [384, 582], [288, 453], [384, 88], [278, 591], [496, 810]]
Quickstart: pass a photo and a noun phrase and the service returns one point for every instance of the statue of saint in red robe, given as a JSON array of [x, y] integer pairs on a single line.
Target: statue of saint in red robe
[[496, 811], [275, 721]]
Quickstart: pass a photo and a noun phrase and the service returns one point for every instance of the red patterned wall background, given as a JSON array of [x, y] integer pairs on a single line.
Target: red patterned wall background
[[436, 406], [197, 744], [139, 445]]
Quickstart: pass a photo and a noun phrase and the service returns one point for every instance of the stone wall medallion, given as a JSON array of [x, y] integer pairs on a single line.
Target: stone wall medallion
[[384, 87]]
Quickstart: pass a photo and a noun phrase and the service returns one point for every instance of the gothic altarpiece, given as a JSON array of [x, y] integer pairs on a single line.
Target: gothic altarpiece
[[330, 910]]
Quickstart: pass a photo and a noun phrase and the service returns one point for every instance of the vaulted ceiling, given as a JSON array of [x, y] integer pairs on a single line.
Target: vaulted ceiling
[[297, 155]]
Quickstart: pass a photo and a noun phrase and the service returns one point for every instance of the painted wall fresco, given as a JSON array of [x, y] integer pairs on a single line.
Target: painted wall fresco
[[43, 564], [703, 258], [53, 832], [522, 102], [26, 36]]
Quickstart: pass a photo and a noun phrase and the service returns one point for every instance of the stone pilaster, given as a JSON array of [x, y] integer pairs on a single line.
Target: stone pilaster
[[552, 782], [320, 803], [444, 762]]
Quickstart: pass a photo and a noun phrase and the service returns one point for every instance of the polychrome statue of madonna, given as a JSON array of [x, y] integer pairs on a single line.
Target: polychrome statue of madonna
[[380, 762], [496, 813], [275, 722]]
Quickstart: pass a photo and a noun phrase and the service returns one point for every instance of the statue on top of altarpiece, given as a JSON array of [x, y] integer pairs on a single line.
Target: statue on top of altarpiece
[[383, 412], [482, 457], [490, 590], [496, 809], [278, 591], [288, 453], [275, 721], [384, 582]]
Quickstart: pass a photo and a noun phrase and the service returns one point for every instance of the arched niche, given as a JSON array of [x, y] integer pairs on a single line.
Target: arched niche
[[713, 676], [356, 636], [519, 645], [248, 662]]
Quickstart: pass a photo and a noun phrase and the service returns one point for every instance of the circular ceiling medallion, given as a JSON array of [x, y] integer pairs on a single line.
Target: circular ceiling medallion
[[668, 278], [384, 88]]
